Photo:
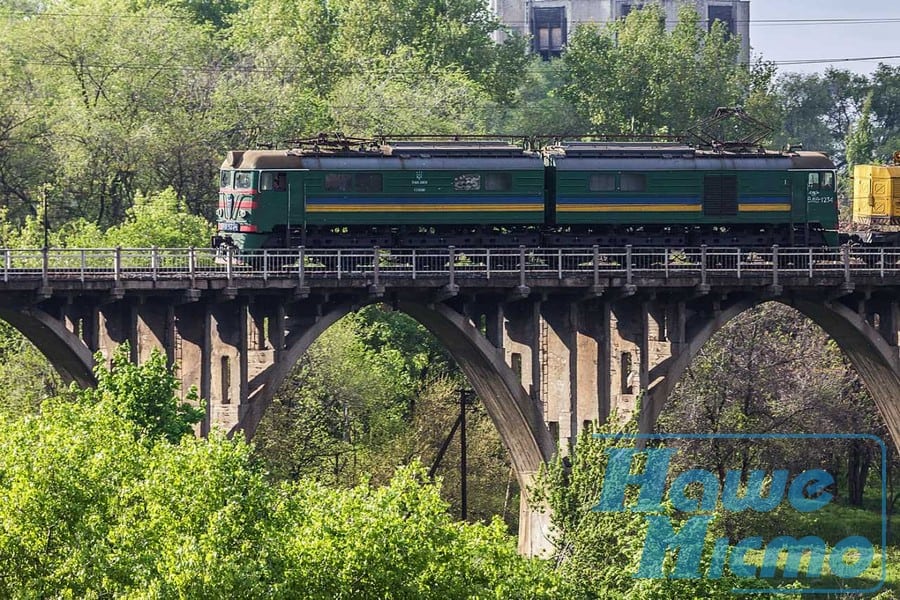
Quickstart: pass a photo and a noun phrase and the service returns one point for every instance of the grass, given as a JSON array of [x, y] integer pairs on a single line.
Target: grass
[[834, 523]]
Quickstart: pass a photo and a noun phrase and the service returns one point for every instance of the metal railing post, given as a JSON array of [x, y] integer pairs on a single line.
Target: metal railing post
[[703, 264], [375, 266], [596, 251], [881, 262], [452, 265], [521, 266], [117, 263], [229, 257], [845, 258], [810, 257], [7, 264], [775, 265], [414, 263], [559, 269], [192, 264], [339, 264], [487, 263], [45, 265], [628, 265], [738, 263], [154, 261], [301, 267], [666, 262], [265, 264], [83, 265]]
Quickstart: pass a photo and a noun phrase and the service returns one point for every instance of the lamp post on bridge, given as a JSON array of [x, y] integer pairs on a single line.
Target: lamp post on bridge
[[46, 219]]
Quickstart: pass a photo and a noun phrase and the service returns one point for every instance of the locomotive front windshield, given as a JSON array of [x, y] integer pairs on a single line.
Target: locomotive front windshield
[[225, 179], [822, 181]]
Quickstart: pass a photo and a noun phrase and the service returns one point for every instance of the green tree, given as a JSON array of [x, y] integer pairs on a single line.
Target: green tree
[[105, 78], [145, 394], [819, 109], [161, 220], [635, 76], [599, 551]]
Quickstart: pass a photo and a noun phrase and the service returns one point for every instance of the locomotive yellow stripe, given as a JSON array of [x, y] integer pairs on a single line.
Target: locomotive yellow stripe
[[320, 208], [630, 208], [764, 207]]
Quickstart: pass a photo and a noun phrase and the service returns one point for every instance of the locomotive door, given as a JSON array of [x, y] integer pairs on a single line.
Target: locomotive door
[[799, 207], [295, 219]]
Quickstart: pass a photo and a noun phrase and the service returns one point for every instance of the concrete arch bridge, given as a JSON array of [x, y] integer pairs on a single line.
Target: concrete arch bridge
[[550, 340]]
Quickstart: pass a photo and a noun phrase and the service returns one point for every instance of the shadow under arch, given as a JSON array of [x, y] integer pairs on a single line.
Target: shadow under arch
[[876, 362], [65, 351]]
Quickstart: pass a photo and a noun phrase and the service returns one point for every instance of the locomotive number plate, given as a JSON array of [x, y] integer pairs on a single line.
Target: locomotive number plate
[[228, 226]]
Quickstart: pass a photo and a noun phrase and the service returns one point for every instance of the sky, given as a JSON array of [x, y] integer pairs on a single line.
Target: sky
[[786, 41], [807, 41]]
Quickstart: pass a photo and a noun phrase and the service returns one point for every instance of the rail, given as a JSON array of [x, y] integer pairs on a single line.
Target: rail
[[379, 264]]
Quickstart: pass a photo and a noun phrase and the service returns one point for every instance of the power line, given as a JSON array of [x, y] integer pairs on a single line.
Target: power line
[[822, 61], [169, 66], [822, 21]]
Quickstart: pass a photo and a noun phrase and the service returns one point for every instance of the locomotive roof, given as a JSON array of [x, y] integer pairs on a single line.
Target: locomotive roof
[[501, 155], [447, 148]]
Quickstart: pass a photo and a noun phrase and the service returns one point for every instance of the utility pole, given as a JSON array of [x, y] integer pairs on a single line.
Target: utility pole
[[465, 398]]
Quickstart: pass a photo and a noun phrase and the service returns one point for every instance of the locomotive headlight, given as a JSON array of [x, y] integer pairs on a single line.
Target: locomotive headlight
[[220, 213], [242, 213]]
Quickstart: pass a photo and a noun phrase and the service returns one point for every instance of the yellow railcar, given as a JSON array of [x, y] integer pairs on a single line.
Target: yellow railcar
[[876, 193]]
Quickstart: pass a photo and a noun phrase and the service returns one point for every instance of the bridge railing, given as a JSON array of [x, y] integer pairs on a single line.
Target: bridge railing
[[453, 263]]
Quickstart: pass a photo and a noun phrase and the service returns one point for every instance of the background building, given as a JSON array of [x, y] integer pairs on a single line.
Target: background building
[[549, 22]]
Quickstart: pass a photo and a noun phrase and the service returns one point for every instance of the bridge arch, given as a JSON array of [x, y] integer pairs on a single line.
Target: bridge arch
[[511, 409], [876, 362], [65, 351]]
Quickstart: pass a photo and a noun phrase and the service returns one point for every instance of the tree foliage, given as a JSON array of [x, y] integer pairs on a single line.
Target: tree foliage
[[145, 394], [87, 512], [635, 76]]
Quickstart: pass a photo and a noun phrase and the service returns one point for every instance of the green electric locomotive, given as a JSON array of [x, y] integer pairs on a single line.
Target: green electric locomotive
[[499, 193]]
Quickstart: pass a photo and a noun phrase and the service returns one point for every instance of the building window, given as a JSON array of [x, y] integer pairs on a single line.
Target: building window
[[625, 9], [549, 31], [724, 14]]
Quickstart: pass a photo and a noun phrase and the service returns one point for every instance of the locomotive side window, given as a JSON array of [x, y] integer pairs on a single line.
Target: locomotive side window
[[272, 182], [339, 182], [602, 182], [633, 182], [467, 182], [498, 182], [225, 179], [243, 180], [367, 182]]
